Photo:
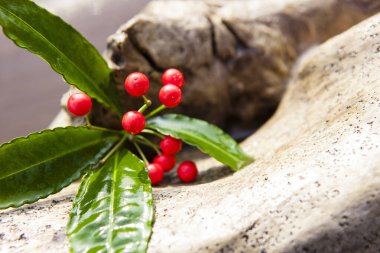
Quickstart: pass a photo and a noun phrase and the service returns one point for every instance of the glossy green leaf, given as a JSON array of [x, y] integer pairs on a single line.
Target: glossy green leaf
[[113, 210], [208, 138], [43, 163], [65, 49]]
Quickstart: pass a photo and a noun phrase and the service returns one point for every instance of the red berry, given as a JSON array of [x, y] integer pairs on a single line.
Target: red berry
[[136, 84], [156, 173], [79, 104], [167, 162], [133, 122], [170, 95], [173, 76], [170, 145], [187, 171]]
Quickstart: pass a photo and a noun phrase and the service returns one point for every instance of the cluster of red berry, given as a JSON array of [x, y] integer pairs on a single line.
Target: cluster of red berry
[[170, 95], [137, 85], [187, 171]]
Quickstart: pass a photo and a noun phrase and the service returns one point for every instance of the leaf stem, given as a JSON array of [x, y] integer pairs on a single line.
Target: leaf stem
[[140, 152], [113, 150], [149, 131], [155, 111]]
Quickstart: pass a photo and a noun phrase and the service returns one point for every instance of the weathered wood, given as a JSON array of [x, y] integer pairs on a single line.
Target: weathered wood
[[315, 186], [236, 55]]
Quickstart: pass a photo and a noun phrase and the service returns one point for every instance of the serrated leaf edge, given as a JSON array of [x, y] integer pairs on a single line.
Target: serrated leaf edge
[[15, 140]]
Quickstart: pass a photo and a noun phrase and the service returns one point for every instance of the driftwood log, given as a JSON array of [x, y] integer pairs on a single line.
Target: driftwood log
[[315, 186], [237, 56]]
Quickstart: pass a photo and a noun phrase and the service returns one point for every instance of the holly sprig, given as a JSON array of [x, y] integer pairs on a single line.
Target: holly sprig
[[113, 209], [137, 84]]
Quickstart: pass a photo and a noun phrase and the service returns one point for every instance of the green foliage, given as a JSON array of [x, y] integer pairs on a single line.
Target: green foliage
[[113, 210], [66, 50], [43, 163], [208, 138]]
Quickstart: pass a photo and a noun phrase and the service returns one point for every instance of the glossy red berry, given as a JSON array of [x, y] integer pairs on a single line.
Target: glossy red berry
[[170, 145], [156, 173], [173, 76], [79, 104], [133, 122], [187, 171], [136, 84], [170, 95], [167, 162]]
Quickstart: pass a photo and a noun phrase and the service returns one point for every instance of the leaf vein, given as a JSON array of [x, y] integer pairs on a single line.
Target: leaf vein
[[54, 157]]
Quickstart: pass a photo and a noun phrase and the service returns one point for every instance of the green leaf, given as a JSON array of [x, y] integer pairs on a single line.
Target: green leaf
[[65, 49], [208, 138], [43, 163], [113, 210]]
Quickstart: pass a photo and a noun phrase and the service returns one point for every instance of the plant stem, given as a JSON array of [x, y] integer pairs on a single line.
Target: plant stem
[[88, 123], [155, 111], [140, 152], [143, 108], [113, 150], [149, 131], [106, 129], [147, 103], [147, 142], [146, 100]]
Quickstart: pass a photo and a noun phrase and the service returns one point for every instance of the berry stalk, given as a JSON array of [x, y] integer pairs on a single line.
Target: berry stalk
[[147, 103], [113, 150], [143, 157], [147, 142], [149, 131], [155, 111]]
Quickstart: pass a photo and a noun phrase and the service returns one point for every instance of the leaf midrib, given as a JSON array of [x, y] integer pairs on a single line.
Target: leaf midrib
[[59, 51], [54, 157], [111, 206]]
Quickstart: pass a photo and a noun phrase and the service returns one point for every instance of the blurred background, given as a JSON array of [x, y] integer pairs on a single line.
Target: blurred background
[[30, 91]]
